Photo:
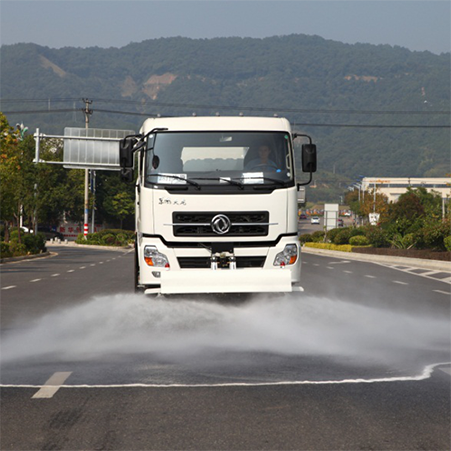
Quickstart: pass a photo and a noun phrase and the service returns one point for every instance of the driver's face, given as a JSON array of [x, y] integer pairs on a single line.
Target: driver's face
[[264, 151]]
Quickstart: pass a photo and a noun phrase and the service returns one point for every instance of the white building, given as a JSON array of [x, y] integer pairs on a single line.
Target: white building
[[393, 187]]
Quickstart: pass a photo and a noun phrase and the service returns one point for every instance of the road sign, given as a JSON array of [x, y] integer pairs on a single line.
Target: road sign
[[92, 148]]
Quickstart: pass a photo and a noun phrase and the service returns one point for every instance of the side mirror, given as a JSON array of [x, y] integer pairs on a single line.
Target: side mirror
[[309, 158], [126, 152]]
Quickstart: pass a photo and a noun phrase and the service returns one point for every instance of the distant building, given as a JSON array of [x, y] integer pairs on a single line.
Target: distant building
[[393, 187]]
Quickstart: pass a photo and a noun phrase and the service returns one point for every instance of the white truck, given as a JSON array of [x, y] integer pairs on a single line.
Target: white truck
[[216, 204]]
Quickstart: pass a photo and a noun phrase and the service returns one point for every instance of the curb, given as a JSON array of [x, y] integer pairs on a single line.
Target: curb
[[24, 257], [90, 246], [404, 261]]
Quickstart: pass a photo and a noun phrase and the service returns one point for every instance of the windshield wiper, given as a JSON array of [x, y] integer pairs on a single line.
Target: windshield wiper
[[173, 176], [222, 179]]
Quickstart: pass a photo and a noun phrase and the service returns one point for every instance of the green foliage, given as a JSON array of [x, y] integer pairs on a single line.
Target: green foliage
[[304, 238], [432, 235], [317, 236], [275, 73], [331, 234], [109, 237], [376, 236], [447, 243], [5, 250], [17, 249], [34, 243], [342, 237], [412, 209], [27, 244], [403, 242], [330, 246], [358, 240]]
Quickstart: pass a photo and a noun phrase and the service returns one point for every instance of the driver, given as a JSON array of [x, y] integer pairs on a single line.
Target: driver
[[263, 162]]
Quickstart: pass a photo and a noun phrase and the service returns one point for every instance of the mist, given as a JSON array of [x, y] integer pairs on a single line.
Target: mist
[[178, 329]]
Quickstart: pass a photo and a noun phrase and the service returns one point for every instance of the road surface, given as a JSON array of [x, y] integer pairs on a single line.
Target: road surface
[[360, 360]]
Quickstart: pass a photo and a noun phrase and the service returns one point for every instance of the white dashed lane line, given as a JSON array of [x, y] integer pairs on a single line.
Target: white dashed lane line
[[370, 276], [400, 283], [443, 292], [52, 385], [10, 287]]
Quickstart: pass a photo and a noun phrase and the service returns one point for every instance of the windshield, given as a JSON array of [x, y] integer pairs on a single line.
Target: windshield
[[219, 158]]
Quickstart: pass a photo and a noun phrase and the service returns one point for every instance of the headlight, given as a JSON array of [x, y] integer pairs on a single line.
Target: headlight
[[288, 256], [154, 258]]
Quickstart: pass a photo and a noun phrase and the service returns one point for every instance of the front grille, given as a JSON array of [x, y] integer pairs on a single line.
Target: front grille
[[204, 262], [198, 223]]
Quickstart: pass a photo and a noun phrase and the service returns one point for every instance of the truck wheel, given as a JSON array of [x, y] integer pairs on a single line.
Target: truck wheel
[[138, 289]]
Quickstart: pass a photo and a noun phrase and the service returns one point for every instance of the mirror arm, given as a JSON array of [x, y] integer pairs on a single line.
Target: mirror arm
[[296, 135], [306, 183]]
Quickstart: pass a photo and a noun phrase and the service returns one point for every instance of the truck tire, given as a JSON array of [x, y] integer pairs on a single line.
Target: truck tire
[[137, 288]]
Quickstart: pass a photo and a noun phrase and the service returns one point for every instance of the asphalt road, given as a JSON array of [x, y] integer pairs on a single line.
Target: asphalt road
[[360, 360]]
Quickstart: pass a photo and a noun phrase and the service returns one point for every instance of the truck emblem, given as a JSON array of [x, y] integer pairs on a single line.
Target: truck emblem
[[220, 224]]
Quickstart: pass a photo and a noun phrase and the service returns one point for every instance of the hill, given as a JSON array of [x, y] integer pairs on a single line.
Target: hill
[[370, 109]]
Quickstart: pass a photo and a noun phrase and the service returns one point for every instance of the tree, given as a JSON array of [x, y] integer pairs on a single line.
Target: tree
[[372, 202], [115, 199], [17, 175], [413, 210], [120, 205]]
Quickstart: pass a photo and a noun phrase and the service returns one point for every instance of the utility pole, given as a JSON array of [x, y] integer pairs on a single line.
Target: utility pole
[[87, 111]]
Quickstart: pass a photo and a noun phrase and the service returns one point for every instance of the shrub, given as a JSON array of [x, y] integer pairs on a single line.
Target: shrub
[[432, 235], [356, 231], [305, 238], [108, 237], [17, 249], [34, 243], [5, 250], [359, 240], [331, 234], [330, 246], [376, 236], [447, 243], [318, 236], [404, 242], [342, 237]]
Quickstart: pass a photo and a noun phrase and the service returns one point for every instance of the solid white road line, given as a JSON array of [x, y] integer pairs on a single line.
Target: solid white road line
[[52, 385], [425, 374]]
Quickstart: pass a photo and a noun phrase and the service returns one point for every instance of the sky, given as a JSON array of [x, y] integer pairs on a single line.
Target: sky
[[417, 25]]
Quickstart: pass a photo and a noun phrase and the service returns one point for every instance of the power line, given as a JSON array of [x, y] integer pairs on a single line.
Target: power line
[[238, 107], [305, 124]]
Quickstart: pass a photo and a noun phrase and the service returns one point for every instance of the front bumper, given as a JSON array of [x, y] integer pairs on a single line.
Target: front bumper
[[225, 281], [180, 278]]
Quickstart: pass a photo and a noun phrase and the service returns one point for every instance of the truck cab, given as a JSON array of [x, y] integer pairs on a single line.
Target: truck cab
[[216, 205]]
